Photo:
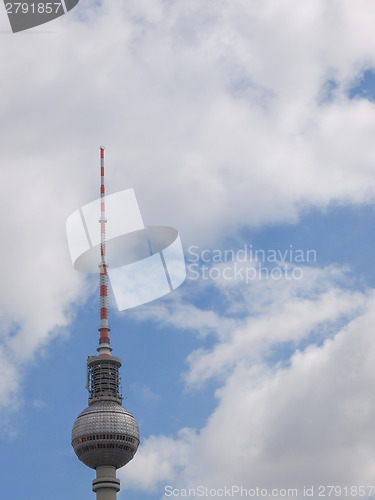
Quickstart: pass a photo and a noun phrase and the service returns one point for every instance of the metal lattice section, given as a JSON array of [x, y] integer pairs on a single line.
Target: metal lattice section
[[103, 378]]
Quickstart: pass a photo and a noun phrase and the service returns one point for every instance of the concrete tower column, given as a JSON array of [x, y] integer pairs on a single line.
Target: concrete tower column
[[106, 485]]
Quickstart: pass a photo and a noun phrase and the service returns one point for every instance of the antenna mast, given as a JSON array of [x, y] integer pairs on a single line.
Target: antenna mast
[[104, 348]]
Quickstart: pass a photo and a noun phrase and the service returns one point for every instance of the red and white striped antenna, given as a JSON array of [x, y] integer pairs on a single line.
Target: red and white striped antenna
[[104, 348]]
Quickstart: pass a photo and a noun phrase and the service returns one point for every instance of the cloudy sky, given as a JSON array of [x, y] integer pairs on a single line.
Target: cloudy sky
[[249, 126]]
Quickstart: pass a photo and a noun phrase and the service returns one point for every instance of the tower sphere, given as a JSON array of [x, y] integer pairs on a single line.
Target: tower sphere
[[105, 433]]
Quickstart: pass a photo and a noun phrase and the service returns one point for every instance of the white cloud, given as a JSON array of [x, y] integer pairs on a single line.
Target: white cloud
[[145, 392], [257, 315], [283, 311], [282, 424], [162, 459], [220, 99], [39, 290], [213, 112], [9, 383], [303, 424]]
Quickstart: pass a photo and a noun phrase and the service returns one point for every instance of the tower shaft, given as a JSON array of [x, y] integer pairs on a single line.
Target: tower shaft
[[106, 485]]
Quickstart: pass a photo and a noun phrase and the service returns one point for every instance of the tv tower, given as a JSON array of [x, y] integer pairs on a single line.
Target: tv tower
[[105, 436]]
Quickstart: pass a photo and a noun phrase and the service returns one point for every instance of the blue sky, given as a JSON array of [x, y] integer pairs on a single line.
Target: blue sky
[[154, 360], [239, 123]]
